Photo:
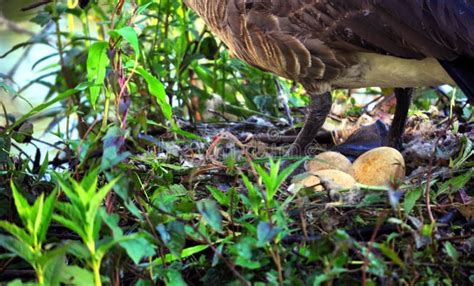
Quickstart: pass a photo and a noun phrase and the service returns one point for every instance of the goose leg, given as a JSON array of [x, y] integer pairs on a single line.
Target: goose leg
[[319, 109], [403, 96]]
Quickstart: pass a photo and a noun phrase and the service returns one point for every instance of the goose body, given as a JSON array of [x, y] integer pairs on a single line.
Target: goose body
[[388, 71], [325, 44]]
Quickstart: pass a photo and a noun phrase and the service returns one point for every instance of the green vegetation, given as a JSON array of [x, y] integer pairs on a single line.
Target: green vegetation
[[141, 191]]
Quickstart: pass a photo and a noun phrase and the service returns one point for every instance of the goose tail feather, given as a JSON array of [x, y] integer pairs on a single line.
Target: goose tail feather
[[462, 72]]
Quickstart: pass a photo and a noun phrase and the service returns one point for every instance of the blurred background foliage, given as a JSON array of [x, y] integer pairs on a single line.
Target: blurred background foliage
[[176, 48]]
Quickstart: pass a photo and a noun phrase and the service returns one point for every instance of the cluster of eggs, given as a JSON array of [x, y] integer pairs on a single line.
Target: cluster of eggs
[[332, 170]]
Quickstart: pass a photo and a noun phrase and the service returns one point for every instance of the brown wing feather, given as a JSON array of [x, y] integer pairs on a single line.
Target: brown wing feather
[[312, 41], [403, 28]]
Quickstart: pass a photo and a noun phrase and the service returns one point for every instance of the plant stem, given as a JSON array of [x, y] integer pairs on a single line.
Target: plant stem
[[95, 261], [40, 275], [96, 269], [103, 128]]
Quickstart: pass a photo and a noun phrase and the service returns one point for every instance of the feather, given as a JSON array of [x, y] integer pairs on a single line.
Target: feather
[[316, 41], [461, 70]]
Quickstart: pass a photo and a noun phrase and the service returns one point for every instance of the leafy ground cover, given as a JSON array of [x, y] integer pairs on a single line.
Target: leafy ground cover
[[166, 168]]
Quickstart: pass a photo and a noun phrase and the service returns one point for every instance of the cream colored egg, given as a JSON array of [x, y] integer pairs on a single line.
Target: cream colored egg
[[329, 161], [327, 179], [379, 167]]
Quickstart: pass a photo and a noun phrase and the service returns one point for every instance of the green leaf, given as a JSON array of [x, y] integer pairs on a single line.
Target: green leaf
[[113, 152], [377, 265], [244, 251], [112, 221], [41, 18], [96, 226], [22, 207], [17, 247], [266, 233], [81, 193], [174, 278], [105, 244], [71, 194], [70, 211], [266, 179], [48, 209], [451, 251], [185, 253], [275, 178], [17, 232], [71, 225], [74, 275], [141, 9], [180, 47], [89, 183], [94, 204], [410, 200], [50, 256], [390, 253], [97, 63], [285, 173], [186, 134], [79, 250], [254, 199], [174, 236], [44, 166], [36, 215], [467, 152], [211, 214], [217, 254], [138, 248], [108, 242], [219, 196], [18, 282], [129, 34], [157, 89], [454, 184], [55, 265]]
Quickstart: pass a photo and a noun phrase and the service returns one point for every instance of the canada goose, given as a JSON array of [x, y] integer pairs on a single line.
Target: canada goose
[[326, 44]]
